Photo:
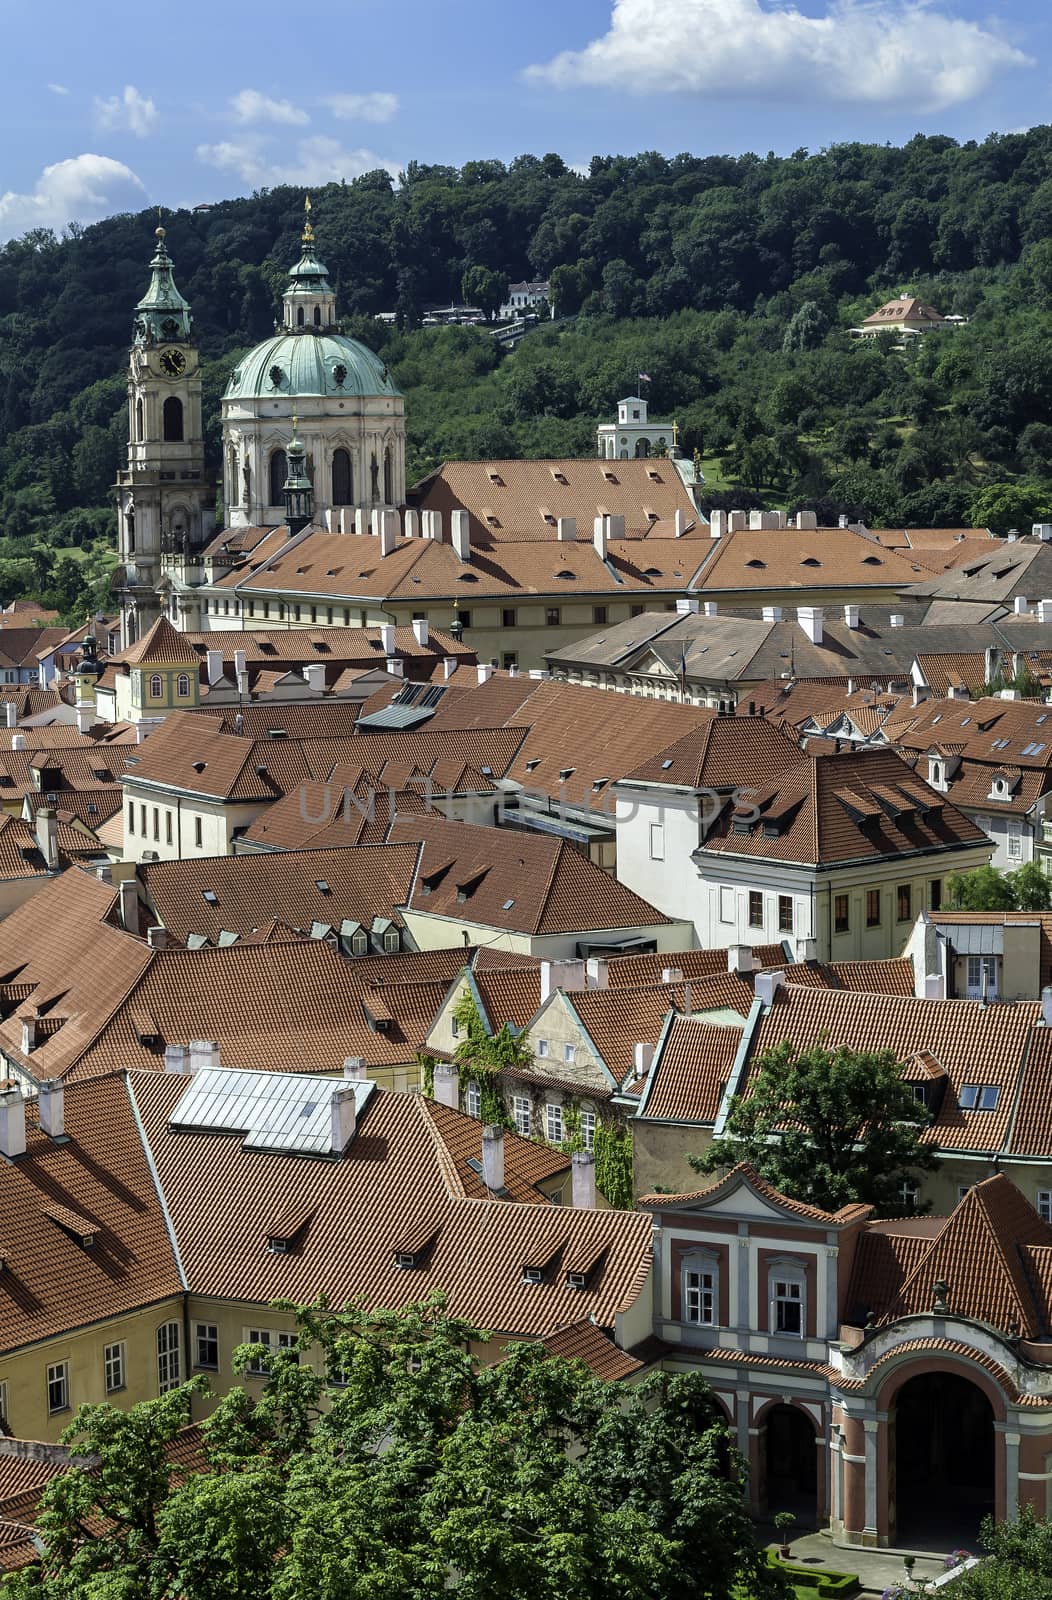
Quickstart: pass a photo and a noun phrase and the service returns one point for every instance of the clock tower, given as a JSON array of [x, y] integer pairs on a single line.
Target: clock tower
[[165, 502]]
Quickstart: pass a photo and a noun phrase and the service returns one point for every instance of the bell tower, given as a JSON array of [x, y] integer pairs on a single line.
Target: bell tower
[[165, 502]]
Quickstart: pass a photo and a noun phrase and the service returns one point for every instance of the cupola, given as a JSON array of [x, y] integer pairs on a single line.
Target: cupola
[[309, 299], [162, 313]]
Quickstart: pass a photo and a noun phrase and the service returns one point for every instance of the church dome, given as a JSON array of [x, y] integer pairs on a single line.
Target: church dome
[[309, 363]]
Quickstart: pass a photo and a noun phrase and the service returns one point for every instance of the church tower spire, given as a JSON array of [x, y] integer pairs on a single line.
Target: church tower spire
[[165, 503], [309, 300]]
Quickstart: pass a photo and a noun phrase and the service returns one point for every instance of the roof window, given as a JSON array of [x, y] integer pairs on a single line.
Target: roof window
[[979, 1096], [322, 886], [210, 896], [1032, 749]]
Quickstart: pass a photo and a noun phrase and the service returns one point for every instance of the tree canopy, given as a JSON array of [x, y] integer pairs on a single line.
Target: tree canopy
[[1018, 1565], [410, 1472], [827, 1126], [1028, 888]]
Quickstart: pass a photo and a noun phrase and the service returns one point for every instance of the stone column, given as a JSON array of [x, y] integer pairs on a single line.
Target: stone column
[[870, 1532]]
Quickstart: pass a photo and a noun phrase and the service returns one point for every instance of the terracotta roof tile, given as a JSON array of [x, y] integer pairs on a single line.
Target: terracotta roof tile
[[582, 1341], [720, 753], [690, 1072]]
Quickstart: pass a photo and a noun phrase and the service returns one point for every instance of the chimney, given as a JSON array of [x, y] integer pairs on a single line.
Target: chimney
[[765, 984], [314, 676], [342, 1108], [361, 522], [597, 973], [897, 620], [547, 984], [389, 531], [449, 666], [566, 529], [493, 1157], [29, 1035], [615, 527], [51, 1109], [736, 521], [841, 521], [242, 685], [582, 1180], [420, 630], [1046, 1005], [1019, 605], [411, 523], [10, 714], [935, 989], [851, 616], [354, 1068], [18, 740], [45, 826], [712, 608], [717, 524], [85, 715], [157, 937], [806, 519], [755, 519], [1044, 614], [12, 1123], [686, 607], [672, 974], [460, 534], [740, 958], [387, 639], [772, 613], [447, 1084], [599, 537], [214, 659], [679, 522], [811, 619], [642, 1056], [128, 902], [431, 525], [204, 1055], [807, 949], [240, 663], [485, 671], [1042, 531], [176, 1059]]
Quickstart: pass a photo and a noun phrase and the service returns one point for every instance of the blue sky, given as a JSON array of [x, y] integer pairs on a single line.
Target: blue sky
[[116, 105]]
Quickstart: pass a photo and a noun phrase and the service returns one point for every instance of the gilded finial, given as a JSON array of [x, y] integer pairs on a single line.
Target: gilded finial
[[308, 231]]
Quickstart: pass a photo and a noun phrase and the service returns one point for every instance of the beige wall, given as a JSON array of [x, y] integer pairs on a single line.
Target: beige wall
[[179, 814], [14, 892], [659, 1157], [444, 933]]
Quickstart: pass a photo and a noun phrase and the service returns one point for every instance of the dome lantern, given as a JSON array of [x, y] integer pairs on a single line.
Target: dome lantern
[[309, 300]]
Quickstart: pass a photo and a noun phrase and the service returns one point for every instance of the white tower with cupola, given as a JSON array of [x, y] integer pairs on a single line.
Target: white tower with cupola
[[165, 502]]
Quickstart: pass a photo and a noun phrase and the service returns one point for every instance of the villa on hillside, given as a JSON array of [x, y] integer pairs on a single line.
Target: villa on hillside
[[905, 315]]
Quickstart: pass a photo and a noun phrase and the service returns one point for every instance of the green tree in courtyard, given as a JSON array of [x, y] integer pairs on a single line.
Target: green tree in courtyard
[[1019, 1563], [419, 1474], [827, 1125]]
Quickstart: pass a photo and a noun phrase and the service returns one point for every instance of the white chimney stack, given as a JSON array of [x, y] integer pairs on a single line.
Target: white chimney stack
[[45, 826], [85, 715], [851, 616], [240, 662], [717, 524], [756, 519], [449, 666], [361, 522], [596, 973], [1020, 605], [736, 521], [566, 529], [389, 531], [342, 1108], [687, 607], [712, 608], [354, 1068], [18, 740], [679, 522], [447, 1084], [772, 613], [12, 1123], [214, 665], [420, 630], [582, 1180], [642, 1056], [10, 714], [485, 671], [672, 974], [740, 958], [128, 900], [935, 989], [204, 1055], [51, 1109], [176, 1058], [493, 1157], [806, 519], [411, 523], [314, 676], [766, 984], [615, 527], [460, 534], [387, 639], [599, 537], [812, 620]]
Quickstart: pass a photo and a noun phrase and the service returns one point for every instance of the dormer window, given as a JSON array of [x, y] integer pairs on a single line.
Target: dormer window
[[576, 1280], [533, 1274]]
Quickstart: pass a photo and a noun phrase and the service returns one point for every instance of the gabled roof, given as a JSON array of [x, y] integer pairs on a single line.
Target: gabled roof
[[744, 1181], [719, 753], [162, 645]]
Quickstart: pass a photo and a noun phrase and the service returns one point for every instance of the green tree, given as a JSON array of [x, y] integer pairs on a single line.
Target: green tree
[[409, 1462], [1019, 1563], [827, 1126], [1002, 506], [1031, 888], [982, 889], [486, 289]]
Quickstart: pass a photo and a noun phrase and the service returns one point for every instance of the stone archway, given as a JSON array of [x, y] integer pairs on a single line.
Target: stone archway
[[941, 1461], [788, 1465]]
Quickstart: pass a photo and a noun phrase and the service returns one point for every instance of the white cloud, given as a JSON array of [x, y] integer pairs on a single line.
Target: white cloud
[[130, 110], [377, 107], [81, 189], [248, 105], [316, 160], [861, 50], [58, 88]]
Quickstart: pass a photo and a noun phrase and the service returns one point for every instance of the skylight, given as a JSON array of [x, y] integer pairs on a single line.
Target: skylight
[[211, 896], [1032, 749], [979, 1096]]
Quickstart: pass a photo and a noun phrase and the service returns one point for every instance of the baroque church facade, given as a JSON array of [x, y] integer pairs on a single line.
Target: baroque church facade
[[309, 378]]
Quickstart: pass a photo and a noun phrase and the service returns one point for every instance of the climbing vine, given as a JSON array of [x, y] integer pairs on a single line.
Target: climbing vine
[[426, 1064], [613, 1165]]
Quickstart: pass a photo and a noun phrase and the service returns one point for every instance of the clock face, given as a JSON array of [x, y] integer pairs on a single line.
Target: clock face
[[173, 362]]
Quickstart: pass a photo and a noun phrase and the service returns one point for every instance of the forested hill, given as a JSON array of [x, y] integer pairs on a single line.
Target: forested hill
[[729, 280]]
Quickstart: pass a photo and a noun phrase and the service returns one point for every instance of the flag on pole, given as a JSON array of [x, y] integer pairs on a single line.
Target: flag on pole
[[644, 377]]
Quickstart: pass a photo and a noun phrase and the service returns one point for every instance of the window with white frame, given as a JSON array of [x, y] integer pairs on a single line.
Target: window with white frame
[[271, 1340], [908, 1193], [553, 1122], [57, 1387], [1044, 1204], [700, 1289], [473, 1100], [521, 1111], [588, 1127], [962, 1190], [1015, 839], [657, 841], [169, 1365], [206, 1335], [787, 1301], [542, 1048], [113, 1365], [569, 1052]]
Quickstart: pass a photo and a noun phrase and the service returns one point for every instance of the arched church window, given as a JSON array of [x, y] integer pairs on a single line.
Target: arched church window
[[299, 317], [388, 496], [374, 476], [342, 478], [317, 316], [140, 421], [173, 419], [129, 523], [183, 686], [279, 471], [643, 447]]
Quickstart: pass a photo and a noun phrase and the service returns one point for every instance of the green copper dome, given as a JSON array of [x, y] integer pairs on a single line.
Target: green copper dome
[[309, 363]]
